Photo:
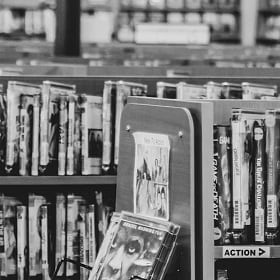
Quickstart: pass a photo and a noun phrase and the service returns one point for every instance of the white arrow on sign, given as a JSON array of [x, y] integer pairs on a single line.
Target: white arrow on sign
[[233, 252]]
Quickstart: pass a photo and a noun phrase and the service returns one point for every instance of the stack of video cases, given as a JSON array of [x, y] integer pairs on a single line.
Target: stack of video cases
[[214, 90], [39, 231], [246, 178], [50, 129], [149, 242]]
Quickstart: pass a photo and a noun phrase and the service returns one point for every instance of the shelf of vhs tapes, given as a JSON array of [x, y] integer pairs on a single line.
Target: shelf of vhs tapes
[[49, 129], [39, 229]]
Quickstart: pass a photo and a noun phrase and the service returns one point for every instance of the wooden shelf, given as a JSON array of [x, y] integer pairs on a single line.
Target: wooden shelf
[[262, 251], [57, 180]]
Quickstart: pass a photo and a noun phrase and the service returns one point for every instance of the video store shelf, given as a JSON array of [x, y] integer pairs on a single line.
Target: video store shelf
[[57, 180], [247, 251]]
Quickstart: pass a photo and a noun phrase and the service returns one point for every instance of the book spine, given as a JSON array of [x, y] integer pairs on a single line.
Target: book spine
[[36, 136], [22, 270], [71, 136], [259, 181], [62, 141]]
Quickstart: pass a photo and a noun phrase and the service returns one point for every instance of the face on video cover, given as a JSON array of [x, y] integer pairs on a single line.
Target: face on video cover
[[132, 252]]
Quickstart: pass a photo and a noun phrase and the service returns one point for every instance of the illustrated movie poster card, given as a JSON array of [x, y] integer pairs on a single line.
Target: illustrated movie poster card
[[151, 175]]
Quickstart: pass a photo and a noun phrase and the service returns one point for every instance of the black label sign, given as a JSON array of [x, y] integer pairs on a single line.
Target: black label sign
[[232, 252]]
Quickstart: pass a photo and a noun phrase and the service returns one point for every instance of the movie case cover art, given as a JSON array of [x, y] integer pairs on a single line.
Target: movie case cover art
[[134, 249], [14, 91], [151, 175]]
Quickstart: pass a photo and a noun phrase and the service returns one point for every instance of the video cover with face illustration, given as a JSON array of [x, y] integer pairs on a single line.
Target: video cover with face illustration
[[136, 248]]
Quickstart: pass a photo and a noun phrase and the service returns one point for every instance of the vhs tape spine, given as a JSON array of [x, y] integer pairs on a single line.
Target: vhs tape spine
[[272, 123], [71, 136], [35, 261], [77, 140], [259, 181], [83, 241], [108, 125], [3, 131], [26, 137], [91, 234], [237, 129], [44, 242], [3, 264], [22, 268], [222, 185], [44, 129], [62, 141], [36, 136], [60, 250]]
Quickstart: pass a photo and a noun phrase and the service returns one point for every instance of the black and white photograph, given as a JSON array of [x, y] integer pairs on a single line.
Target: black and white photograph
[[168, 110]]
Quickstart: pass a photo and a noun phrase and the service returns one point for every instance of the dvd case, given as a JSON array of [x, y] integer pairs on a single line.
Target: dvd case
[[135, 247], [49, 125], [26, 134], [77, 141], [62, 140], [48, 240], [222, 185], [60, 243], [83, 241], [10, 234], [259, 181], [70, 170], [91, 235], [166, 90], [22, 245], [91, 126], [256, 91], [36, 135], [2, 239], [272, 122], [72, 235], [35, 234], [214, 90], [187, 91], [3, 130], [14, 91], [108, 125]]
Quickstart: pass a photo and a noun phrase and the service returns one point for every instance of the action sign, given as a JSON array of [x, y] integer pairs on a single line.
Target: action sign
[[233, 252]]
